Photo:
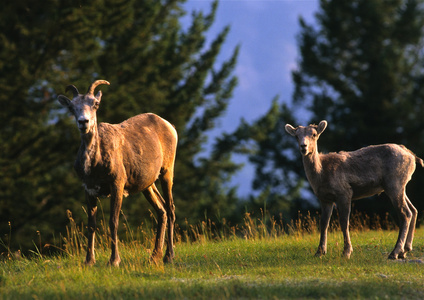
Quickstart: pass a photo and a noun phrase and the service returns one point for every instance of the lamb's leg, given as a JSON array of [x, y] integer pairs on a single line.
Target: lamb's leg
[[166, 182], [344, 214], [115, 209], [326, 211], [411, 230], [156, 202], [405, 217], [92, 212]]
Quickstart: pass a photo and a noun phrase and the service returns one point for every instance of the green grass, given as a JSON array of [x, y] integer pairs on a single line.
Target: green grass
[[263, 265]]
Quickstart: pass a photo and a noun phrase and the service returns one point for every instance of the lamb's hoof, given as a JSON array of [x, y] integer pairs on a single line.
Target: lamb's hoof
[[393, 256], [403, 254], [347, 254]]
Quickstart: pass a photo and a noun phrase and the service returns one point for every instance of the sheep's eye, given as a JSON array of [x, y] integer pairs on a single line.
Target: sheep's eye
[[314, 135], [96, 104], [71, 110]]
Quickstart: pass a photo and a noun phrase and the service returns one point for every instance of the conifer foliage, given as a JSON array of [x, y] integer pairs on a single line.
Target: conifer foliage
[[361, 69], [153, 63]]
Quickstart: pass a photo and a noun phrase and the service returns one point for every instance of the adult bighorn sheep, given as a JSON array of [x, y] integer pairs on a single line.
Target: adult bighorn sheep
[[121, 159], [345, 176]]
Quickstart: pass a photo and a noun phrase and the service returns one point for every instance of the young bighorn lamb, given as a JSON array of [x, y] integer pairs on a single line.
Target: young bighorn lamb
[[121, 159], [345, 176]]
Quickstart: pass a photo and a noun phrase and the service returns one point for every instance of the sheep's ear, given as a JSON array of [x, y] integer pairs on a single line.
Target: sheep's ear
[[321, 126], [99, 95], [65, 101], [290, 129]]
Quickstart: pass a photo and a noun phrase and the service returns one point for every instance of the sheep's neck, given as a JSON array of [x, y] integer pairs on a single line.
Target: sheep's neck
[[312, 165], [91, 150]]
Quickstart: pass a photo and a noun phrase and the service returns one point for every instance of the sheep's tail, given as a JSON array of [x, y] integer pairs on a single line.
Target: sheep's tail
[[417, 159]]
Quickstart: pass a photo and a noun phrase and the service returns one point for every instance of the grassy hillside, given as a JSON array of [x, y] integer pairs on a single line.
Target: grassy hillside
[[257, 265]]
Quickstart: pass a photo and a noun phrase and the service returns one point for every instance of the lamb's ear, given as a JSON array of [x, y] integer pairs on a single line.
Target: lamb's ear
[[290, 129], [321, 126]]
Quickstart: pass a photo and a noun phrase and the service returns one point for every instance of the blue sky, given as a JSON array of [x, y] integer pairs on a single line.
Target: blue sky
[[266, 31]]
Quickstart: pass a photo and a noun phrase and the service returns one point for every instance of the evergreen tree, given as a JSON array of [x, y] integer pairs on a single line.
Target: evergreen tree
[[277, 182], [361, 69], [153, 64]]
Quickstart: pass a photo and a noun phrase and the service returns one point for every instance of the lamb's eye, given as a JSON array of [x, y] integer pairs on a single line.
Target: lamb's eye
[[314, 135]]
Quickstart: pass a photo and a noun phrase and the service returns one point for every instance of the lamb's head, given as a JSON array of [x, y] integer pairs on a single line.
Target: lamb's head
[[84, 107], [307, 137]]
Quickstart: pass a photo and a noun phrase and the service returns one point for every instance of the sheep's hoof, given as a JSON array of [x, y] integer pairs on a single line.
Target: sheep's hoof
[[320, 253], [90, 262], [155, 260], [156, 257], [402, 255], [168, 259], [114, 263]]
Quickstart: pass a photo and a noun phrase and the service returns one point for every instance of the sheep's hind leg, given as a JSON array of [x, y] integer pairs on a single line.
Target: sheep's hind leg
[[156, 202], [405, 218], [411, 229], [166, 182], [326, 211]]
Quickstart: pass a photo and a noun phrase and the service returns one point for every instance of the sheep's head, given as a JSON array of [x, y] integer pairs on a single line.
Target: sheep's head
[[84, 107], [307, 137]]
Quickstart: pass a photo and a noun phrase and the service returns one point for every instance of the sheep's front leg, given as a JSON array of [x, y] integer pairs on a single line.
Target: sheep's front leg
[[326, 211], [115, 209], [92, 212], [344, 214]]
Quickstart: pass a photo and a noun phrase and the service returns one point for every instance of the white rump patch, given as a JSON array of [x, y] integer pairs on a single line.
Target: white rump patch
[[92, 192]]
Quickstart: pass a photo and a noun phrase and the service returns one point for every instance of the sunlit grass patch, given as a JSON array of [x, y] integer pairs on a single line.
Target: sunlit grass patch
[[258, 259]]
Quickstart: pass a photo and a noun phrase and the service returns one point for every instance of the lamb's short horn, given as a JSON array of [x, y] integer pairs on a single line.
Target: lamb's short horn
[[74, 90], [95, 84]]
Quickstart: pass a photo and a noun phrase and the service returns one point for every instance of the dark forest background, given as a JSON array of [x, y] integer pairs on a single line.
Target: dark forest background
[[361, 67]]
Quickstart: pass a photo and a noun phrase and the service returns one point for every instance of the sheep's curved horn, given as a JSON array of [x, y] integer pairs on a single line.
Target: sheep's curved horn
[[72, 88], [95, 84]]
